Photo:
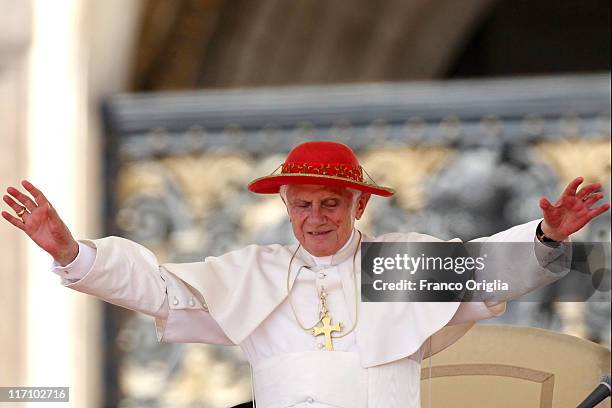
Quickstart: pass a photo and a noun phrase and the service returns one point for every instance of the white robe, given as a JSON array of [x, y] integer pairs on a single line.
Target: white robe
[[241, 298]]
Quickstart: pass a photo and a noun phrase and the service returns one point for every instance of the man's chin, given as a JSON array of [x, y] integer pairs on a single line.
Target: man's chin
[[320, 250], [321, 254]]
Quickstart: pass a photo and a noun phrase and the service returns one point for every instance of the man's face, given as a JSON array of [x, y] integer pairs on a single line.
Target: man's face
[[322, 217]]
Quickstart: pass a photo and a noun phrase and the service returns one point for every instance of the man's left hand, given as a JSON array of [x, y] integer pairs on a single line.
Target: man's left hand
[[572, 211]]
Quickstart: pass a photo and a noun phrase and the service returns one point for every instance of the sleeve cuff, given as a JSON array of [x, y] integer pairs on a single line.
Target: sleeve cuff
[[79, 267], [554, 258]]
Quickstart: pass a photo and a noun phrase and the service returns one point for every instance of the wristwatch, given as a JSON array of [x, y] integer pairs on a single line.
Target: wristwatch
[[545, 239]]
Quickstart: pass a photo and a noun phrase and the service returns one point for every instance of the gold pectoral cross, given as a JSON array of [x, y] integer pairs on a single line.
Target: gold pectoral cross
[[326, 329]]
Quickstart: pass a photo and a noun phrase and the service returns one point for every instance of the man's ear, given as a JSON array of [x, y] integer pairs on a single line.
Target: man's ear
[[361, 205]]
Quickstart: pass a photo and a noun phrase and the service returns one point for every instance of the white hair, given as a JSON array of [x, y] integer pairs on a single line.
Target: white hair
[[356, 194]]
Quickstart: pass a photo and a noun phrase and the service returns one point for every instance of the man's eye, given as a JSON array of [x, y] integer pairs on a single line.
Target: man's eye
[[332, 203]]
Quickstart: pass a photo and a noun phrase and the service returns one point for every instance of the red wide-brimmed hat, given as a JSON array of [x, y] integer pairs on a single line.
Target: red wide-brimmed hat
[[319, 163]]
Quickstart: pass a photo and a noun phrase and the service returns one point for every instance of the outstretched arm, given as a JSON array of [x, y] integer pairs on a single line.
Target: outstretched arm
[[115, 270], [126, 275], [571, 212]]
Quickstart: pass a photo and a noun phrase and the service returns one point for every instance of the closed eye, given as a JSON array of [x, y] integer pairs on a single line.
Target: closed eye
[[330, 203], [301, 204]]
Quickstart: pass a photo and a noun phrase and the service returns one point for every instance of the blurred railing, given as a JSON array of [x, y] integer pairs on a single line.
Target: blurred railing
[[468, 158]]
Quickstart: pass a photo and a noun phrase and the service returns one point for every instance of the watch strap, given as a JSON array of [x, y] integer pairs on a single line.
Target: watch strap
[[543, 238]]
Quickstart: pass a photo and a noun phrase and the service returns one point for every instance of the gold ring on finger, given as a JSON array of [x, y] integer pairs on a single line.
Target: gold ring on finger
[[20, 213]]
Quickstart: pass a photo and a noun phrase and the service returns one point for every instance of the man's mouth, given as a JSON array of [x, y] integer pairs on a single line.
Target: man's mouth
[[319, 233]]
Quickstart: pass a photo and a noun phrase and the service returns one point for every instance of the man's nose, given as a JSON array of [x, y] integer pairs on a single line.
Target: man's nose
[[316, 214]]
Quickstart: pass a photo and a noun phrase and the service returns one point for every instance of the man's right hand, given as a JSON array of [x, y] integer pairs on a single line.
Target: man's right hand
[[41, 223]]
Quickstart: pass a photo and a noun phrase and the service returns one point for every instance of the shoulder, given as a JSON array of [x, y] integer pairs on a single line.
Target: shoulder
[[254, 251], [404, 237]]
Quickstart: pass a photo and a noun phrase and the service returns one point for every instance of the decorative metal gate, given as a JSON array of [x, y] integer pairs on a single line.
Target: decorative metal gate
[[467, 158]]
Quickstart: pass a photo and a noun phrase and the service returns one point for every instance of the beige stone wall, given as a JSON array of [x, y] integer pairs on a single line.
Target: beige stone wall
[[50, 335], [14, 42]]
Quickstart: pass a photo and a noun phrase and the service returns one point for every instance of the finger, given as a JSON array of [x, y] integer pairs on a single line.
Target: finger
[[599, 210], [592, 199], [22, 198], [588, 189], [18, 208], [36, 193], [13, 204], [544, 203], [571, 187], [13, 220]]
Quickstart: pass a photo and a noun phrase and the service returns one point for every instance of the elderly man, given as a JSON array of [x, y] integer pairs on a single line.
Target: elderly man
[[295, 310]]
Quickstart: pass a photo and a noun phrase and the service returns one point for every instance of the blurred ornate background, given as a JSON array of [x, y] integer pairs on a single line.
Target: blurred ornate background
[[468, 159]]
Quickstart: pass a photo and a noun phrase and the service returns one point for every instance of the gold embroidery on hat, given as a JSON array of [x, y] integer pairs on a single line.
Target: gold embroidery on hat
[[338, 170]]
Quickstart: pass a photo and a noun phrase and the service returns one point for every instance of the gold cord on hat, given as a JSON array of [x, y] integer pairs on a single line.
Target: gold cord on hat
[[370, 177], [275, 170]]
